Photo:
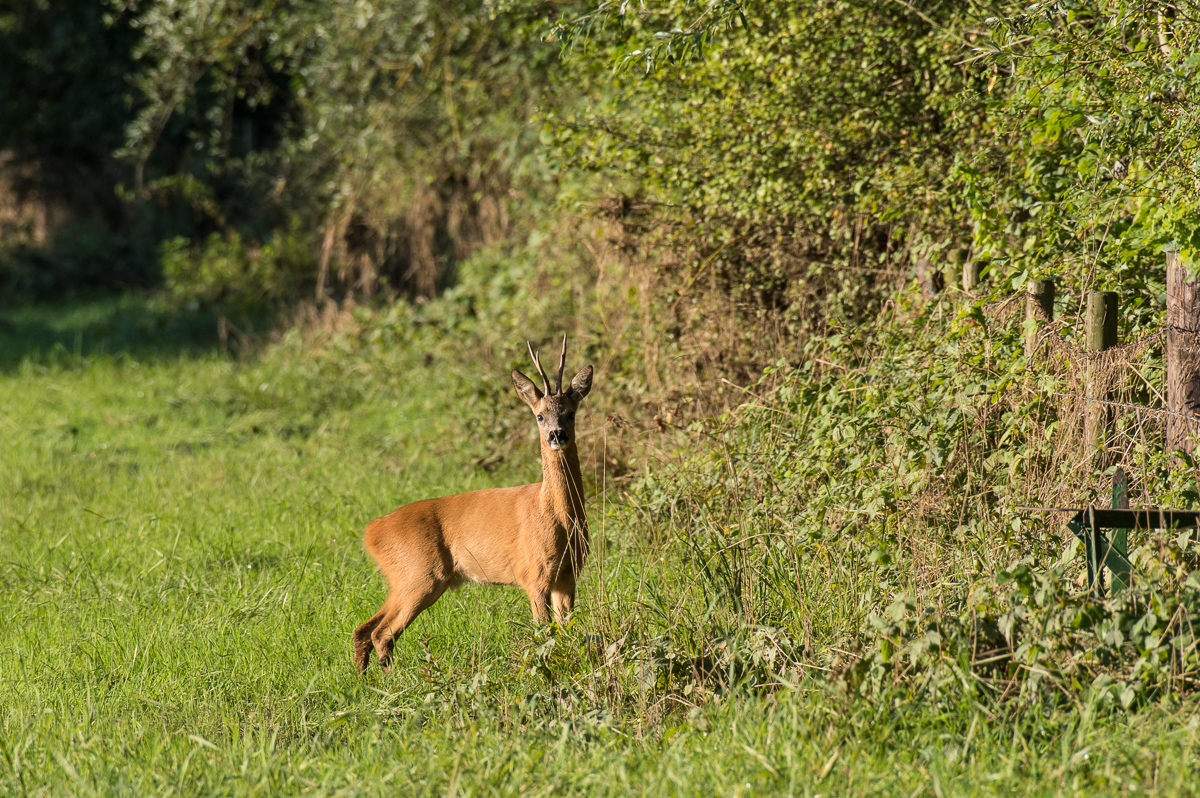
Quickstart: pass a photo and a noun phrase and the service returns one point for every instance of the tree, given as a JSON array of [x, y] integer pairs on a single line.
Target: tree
[[396, 128], [795, 157]]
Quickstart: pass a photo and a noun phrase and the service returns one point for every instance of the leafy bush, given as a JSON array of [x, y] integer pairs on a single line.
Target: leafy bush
[[1030, 636], [1087, 170], [229, 271], [395, 132]]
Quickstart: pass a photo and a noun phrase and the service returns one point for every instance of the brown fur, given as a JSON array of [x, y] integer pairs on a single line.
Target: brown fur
[[534, 537]]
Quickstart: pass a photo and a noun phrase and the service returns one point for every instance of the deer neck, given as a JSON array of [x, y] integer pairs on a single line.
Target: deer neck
[[562, 485]]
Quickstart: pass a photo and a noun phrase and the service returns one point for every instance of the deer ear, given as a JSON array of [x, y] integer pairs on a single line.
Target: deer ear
[[528, 392], [581, 384]]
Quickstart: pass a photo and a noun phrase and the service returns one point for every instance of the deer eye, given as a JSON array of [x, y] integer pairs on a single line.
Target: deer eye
[[540, 419]]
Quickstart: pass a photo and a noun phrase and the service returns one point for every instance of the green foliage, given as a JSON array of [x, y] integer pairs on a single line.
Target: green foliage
[[791, 160], [225, 270], [1029, 636], [796, 160], [676, 42], [800, 156], [867, 505], [397, 133], [1089, 172], [396, 130]]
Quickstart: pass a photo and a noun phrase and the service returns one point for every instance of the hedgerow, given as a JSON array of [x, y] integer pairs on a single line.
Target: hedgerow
[[872, 506]]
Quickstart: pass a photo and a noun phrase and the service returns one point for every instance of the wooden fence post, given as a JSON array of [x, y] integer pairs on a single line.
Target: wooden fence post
[[972, 275], [1101, 335], [955, 259], [929, 278], [1101, 320], [1182, 353], [1039, 308], [951, 277]]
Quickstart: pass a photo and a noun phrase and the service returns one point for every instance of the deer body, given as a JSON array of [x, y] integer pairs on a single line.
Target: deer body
[[534, 537]]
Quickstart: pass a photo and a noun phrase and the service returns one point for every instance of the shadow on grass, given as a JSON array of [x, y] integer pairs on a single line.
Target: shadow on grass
[[133, 325]]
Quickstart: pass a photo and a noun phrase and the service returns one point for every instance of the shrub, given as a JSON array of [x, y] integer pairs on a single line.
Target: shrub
[[228, 271]]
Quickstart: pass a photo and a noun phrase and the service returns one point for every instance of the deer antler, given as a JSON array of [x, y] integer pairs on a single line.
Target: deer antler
[[562, 364], [537, 362]]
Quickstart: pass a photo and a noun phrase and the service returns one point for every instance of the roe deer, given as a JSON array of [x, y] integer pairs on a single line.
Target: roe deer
[[534, 537]]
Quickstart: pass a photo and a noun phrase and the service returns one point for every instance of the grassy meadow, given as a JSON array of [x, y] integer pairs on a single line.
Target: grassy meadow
[[181, 570]]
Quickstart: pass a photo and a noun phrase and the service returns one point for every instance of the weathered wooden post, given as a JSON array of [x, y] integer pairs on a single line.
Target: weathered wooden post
[[1100, 335], [951, 276], [972, 275], [1101, 320], [1039, 308], [1183, 353], [929, 278], [954, 268]]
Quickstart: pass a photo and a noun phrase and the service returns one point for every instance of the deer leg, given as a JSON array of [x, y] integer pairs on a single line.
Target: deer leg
[[563, 596], [362, 641], [401, 609], [539, 602]]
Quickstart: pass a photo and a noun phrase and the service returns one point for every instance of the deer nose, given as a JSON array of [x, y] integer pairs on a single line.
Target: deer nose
[[558, 436]]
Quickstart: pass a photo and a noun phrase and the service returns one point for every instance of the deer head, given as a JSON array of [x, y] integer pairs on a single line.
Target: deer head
[[555, 410]]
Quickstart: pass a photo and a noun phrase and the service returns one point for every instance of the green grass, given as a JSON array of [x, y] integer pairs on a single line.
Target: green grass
[[181, 569], [117, 326]]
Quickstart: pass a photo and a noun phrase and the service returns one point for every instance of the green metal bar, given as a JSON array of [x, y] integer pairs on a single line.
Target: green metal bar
[[1094, 547], [1117, 557], [1100, 553], [1142, 518]]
